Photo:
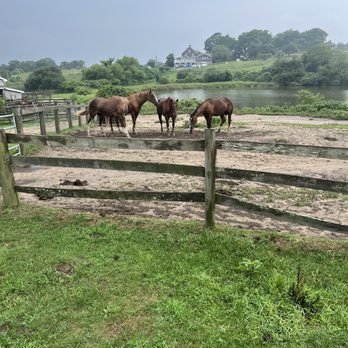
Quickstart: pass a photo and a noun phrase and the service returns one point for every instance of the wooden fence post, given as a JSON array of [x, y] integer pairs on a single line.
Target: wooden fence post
[[68, 115], [19, 127], [42, 123], [56, 118], [210, 162], [7, 181]]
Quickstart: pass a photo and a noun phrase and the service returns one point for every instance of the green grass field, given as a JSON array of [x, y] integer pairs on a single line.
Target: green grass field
[[80, 280]]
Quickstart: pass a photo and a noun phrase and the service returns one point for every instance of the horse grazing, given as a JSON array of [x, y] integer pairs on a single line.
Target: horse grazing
[[136, 101], [108, 108], [167, 108], [213, 107]]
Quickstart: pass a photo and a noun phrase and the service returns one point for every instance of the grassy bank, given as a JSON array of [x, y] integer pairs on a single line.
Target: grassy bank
[[71, 279]]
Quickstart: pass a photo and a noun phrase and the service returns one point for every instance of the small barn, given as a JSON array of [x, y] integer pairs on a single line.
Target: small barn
[[9, 93]]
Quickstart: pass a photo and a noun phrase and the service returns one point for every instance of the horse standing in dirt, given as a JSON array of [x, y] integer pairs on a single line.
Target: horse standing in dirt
[[108, 109], [213, 107], [136, 101], [168, 108]]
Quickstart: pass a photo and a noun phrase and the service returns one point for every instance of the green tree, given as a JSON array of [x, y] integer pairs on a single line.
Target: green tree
[[170, 60], [221, 53], [219, 39], [312, 37], [45, 63], [74, 64], [151, 63], [287, 41], [253, 43], [44, 79], [287, 71], [96, 72], [107, 62]]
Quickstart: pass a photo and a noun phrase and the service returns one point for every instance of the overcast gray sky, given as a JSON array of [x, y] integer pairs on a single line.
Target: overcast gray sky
[[93, 30]]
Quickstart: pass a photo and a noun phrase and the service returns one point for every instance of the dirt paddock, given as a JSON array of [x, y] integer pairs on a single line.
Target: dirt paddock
[[283, 129]]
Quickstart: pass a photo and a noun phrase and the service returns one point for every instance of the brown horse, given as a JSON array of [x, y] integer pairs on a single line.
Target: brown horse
[[213, 107], [108, 108], [167, 108], [136, 101]]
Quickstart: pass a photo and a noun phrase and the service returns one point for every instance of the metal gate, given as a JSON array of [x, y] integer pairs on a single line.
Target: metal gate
[[13, 149]]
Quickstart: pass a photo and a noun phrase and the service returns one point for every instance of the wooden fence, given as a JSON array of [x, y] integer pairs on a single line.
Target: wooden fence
[[49, 111], [209, 171]]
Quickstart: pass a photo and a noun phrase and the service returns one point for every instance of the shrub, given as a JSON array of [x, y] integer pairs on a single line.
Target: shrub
[[110, 90]]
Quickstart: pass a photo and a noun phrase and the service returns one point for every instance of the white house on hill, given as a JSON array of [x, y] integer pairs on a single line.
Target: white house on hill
[[9, 93], [191, 58]]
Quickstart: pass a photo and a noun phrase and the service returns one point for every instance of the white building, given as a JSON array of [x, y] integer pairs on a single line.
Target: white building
[[191, 58], [9, 93]]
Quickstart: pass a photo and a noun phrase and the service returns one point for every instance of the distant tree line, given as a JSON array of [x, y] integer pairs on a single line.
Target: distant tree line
[[260, 44], [17, 66], [319, 66]]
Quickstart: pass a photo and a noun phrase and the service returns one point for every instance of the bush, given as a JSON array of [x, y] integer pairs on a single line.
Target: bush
[[213, 75], [110, 90], [304, 96], [44, 79]]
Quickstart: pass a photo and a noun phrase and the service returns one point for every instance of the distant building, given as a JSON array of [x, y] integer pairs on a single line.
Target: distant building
[[9, 93], [191, 58]]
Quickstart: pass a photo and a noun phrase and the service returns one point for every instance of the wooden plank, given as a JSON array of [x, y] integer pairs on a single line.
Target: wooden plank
[[68, 115], [110, 164], [19, 126], [285, 149], [42, 123], [210, 161], [7, 182], [109, 143], [283, 179], [197, 197], [27, 111], [280, 214], [56, 121]]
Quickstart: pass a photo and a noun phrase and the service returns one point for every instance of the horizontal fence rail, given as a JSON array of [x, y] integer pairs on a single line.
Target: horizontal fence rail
[[197, 197], [282, 179], [284, 149], [108, 143], [280, 214], [169, 168]]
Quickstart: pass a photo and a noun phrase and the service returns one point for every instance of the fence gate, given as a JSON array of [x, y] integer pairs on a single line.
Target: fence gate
[[13, 149]]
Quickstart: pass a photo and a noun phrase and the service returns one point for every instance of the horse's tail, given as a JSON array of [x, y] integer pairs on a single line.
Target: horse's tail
[[82, 112]]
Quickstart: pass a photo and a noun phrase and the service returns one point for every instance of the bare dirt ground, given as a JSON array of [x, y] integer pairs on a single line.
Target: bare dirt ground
[[284, 129]]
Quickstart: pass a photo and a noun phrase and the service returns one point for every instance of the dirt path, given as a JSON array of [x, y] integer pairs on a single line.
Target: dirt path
[[285, 129]]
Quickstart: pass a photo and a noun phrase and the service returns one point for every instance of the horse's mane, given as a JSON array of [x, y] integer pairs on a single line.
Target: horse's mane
[[195, 111]]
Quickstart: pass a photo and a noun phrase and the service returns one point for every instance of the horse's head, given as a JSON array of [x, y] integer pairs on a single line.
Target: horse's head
[[193, 121], [151, 97]]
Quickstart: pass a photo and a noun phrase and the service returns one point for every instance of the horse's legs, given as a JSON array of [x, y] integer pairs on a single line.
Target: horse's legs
[[124, 126], [173, 124], [91, 117], [208, 120], [223, 120], [101, 119], [134, 120], [229, 121], [167, 123], [160, 120], [110, 121]]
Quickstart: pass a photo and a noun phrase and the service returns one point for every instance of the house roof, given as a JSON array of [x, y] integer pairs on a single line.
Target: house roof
[[3, 79], [11, 89]]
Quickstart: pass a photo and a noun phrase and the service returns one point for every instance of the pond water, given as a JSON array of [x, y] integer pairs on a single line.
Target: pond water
[[252, 97]]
